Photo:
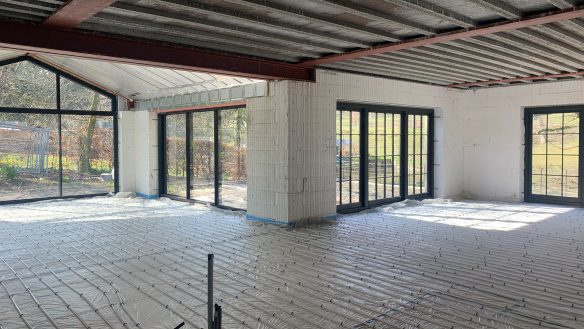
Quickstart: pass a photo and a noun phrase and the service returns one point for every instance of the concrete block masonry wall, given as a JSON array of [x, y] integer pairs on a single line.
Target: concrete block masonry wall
[[494, 135], [291, 147], [145, 167], [291, 172], [126, 147]]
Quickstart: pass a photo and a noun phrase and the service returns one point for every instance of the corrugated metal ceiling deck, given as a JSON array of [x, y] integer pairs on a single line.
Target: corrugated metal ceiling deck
[[296, 31], [135, 81]]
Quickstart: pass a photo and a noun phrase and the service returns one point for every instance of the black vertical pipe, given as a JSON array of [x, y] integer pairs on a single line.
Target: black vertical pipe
[[527, 119], [58, 81], [189, 151], [161, 154], [430, 155], [210, 310], [116, 163], [404, 155], [217, 150], [364, 155]]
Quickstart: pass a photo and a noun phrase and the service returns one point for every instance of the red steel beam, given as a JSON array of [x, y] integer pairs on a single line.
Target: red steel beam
[[75, 12], [42, 40], [510, 80], [546, 18]]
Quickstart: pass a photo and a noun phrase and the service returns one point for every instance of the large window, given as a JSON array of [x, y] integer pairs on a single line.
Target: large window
[[383, 154], [57, 134], [553, 152], [176, 155], [203, 156]]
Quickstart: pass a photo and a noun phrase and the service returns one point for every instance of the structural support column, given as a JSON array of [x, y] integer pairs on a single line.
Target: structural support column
[[126, 147], [291, 167], [146, 154]]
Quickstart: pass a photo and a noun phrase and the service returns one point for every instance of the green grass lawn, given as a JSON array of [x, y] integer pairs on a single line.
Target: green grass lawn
[[69, 163]]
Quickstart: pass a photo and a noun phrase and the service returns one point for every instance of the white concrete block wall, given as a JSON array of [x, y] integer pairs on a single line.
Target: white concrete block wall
[[447, 141], [146, 153], [494, 135], [267, 155], [291, 144], [126, 147], [300, 141]]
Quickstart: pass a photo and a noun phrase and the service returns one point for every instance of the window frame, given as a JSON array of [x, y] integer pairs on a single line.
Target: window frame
[[528, 196], [162, 181], [364, 110], [59, 112]]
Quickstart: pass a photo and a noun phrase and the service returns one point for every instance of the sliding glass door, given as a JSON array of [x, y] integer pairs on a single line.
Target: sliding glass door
[[418, 146], [232, 180], [383, 166], [203, 156], [374, 163], [553, 153], [348, 157], [175, 155]]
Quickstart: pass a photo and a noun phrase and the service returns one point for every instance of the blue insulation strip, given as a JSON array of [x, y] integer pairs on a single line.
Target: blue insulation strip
[[147, 196]]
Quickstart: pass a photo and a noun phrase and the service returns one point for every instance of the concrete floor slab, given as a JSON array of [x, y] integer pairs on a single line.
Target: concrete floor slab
[[127, 263]]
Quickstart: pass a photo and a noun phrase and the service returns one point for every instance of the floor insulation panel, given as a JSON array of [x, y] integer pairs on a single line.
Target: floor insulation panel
[[134, 263]]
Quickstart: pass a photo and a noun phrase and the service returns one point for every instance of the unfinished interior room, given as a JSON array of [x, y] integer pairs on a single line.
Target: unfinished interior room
[[291, 164]]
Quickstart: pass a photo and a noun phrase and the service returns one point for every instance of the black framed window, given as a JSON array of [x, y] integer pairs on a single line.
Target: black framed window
[[58, 134], [176, 155], [348, 157], [383, 154], [203, 156], [553, 154], [383, 167], [418, 126]]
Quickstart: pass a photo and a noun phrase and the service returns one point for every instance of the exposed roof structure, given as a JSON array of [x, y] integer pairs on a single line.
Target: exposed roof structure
[[135, 81], [459, 43]]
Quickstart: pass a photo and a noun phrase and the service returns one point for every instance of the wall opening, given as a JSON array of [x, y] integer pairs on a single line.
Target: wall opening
[[58, 134], [553, 154], [203, 156], [384, 154]]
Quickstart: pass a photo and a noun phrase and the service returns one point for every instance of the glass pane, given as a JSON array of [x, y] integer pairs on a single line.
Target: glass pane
[[75, 96], [396, 187], [29, 156], [203, 157], [417, 154], [233, 150], [27, 85], [571, 144], [355, 121], [373, 192], [555, 123], [88, 154], [383, 145], [555, 154], [570, 165], [554, 165], [540, 124], [571, 123], [538, 184], [554, 185], [539, 144], [571, 187], [176, 162], [347, 158]]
